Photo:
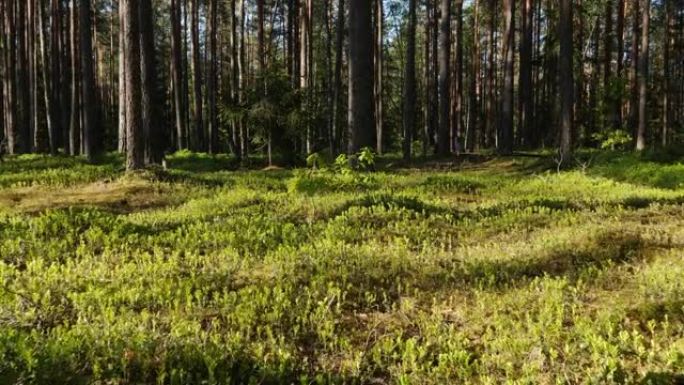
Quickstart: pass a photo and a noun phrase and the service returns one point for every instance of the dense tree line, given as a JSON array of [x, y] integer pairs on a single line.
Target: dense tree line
[[290, 77]]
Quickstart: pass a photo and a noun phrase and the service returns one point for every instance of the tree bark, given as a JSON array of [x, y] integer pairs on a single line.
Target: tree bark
[[150, 99], [90, 121], [474, 131], [566, 78], [75, 116], [409, 110], [361, 114], [444, 56], [212, 77], [135, 150], [642, 78], [525, 84], [337, 86], [197, 77], [508, 55], [378, 89]]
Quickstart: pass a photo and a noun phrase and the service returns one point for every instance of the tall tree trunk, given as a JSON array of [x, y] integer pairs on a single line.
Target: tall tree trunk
[[177, 76], [474, 130], [642, 78], [667, 73], [508, 55], [566, 78], [197, 77], [75, 116], [444, 56], [23, 144], [337, 86], [634, 87], [122, 83], [457, 99], [490, 105], [212, 77], [525, 85], [52, 87], [90, 121], [151, 117], [620, 35], [409, 108], [378, 89], [361, 114], [135, 149], [10, 99]]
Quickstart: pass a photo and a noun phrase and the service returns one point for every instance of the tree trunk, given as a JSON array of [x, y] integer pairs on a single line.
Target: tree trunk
[[378, 89], [444, 56], [337, 86], [197, 77], [457, 99], [75, 118], [212, 77], [566, 79], [409, 111], [150, 98], [525, 85], [135, 149], [361, 114], [474, 130], [642, 78], [667, 73], [23, 144], [90, 122], [179, 105], [10, 86], [508, 54]]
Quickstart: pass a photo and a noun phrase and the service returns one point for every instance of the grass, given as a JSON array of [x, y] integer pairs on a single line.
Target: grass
[[485, 272]]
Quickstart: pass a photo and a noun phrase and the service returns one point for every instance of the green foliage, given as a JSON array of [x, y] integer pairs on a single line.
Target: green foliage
[[613, 139], [489, 274]]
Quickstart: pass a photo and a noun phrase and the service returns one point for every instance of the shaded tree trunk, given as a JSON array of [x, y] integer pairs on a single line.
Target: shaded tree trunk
[[378, 88], [525, 84], [212, 77], [197, 77], [75, 118], [566, 78], [153, 133], [409, 108], [337, 85], [508, 55], [88, 93], [444, 56], [361, 114]]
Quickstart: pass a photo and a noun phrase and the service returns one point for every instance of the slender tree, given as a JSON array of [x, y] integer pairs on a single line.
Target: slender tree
[[198, 104], [337, 85], [361, 114], [565, 75], [508, 55], [525, 84], [410, 98], [444, 79], [88, 92], [642, 76]]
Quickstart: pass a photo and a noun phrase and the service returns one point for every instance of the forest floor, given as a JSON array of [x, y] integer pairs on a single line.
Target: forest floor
[[480, 271]]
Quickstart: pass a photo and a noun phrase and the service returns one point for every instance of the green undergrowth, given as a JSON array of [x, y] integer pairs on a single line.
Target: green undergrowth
[[482, 273]]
